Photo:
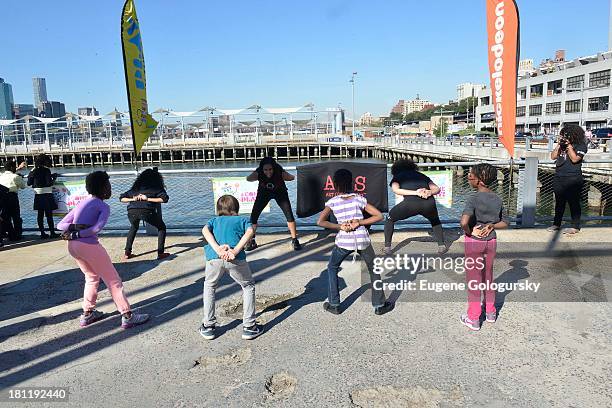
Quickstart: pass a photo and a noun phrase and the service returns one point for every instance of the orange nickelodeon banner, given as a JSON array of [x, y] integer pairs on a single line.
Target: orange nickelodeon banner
[[504, 43]]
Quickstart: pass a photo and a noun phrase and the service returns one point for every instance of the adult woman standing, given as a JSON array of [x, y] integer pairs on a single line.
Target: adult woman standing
[[145, 197], [42, 182], [568, 181], [418, 191], [272, 178], [14, 182]]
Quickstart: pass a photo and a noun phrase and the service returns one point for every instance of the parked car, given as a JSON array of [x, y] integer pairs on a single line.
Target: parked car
[[523, 135], [603, 133]]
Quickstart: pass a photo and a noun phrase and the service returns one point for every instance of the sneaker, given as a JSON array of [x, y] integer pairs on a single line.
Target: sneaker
[[43, 235], [163, 255], [208, 332], [250, 333], [387, 251], [92, 317], [127, 255], [570, 231], [53, 235], [135, 320], [491, 317], [252, 245], [333, 309], [296, 244], [442, 249], [471, 324], [381, 310], [553, 228]]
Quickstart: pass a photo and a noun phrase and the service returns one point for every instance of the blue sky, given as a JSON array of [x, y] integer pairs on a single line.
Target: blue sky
[[276, 53]]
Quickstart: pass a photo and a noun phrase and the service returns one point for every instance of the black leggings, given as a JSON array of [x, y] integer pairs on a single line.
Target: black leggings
[[152, 217], [410, 207], [12, 216], [41, 223], [567, 191], [264, 197]]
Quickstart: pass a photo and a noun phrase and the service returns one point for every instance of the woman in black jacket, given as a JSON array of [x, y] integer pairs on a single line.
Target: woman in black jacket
[[42, 182], [145, 198]]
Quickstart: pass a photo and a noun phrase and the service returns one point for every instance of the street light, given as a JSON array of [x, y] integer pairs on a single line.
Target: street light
[[352, 81]]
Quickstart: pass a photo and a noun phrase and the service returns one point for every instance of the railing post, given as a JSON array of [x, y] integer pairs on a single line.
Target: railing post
[[610, 147], [527, 143], [551, 143], [527, 192]]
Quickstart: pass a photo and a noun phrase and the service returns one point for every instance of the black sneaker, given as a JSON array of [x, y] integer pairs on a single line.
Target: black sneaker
[[252, 245], [208, 332], [250, 333], [387, 307], [53, 235], [296, 244], [331, 308], [43, 235]]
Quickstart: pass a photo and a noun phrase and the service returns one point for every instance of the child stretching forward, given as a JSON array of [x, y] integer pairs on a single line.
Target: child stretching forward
[[481, 217], [226, 235], [352, 236]]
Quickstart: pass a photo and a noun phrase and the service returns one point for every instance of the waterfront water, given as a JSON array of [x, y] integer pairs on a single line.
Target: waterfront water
[[191, 198]]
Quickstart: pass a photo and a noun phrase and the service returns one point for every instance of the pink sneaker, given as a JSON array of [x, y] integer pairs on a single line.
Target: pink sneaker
[[471, 324]]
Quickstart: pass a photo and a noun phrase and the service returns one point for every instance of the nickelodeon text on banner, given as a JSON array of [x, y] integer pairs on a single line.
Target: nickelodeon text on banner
[[503, 51], [244, 191], [68, 195], [444, 180], [143, 124]]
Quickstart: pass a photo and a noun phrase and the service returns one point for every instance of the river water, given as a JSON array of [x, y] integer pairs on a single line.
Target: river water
[[191, 198]]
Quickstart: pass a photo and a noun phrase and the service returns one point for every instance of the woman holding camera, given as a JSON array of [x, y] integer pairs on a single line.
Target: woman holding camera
[[568, 181], [272, 178]]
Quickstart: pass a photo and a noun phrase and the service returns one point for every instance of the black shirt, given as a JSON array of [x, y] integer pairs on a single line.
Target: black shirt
[[145, 205], [41, 177], [565, 167], [274, 184], [411, 180]]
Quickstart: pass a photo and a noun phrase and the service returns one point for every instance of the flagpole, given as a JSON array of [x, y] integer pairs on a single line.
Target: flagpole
[[127, 85]]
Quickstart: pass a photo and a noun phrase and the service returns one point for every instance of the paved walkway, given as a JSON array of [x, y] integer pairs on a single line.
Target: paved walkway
[[548, 352]]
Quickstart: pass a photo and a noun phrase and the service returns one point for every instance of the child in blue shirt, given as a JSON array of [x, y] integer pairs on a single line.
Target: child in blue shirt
[[226, 235]]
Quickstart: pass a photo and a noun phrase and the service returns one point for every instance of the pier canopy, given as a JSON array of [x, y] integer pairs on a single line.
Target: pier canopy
[[210, 125]]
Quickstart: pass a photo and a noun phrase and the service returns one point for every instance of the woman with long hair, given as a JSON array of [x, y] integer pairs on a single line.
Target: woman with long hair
[[145, 198], [568, 180], [418, 191], [42, 182], [272, 178]]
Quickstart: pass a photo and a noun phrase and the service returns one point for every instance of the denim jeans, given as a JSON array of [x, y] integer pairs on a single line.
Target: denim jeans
[[337, 256]]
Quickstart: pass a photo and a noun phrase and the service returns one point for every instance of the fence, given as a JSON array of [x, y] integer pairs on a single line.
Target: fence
[[525, 186]]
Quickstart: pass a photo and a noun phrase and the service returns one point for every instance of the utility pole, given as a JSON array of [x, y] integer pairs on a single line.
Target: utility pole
[[352, 81]]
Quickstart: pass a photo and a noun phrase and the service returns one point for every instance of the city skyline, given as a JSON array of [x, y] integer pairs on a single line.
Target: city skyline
[[242, 63]]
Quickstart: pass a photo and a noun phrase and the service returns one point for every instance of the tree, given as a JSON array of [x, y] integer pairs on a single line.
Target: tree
[[442, 128]]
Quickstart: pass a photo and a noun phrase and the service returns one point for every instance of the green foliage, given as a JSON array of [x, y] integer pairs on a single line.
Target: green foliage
[[461, 107]]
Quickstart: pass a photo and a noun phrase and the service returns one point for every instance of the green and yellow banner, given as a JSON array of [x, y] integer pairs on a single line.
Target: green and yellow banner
[[142, 122]]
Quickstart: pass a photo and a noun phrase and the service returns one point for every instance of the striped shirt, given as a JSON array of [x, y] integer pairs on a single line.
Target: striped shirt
[[345, 208]]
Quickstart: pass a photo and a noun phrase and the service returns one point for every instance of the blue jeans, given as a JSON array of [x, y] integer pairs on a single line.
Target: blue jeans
[[337, 256]]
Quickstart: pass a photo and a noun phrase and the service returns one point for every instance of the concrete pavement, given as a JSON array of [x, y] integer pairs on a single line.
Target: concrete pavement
[[551, 350]]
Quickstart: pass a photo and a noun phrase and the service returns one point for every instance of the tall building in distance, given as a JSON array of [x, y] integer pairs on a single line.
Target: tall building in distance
[[40, 91], [399, 107], [89, 111], [416, 105], [6, 100], [468, 90], [51, 109]]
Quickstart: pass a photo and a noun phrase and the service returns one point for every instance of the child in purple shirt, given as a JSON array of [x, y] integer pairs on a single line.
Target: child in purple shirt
[[80, 228], [348, 208]]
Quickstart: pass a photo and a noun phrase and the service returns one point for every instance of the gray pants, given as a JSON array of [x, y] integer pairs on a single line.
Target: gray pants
[[241, 273]]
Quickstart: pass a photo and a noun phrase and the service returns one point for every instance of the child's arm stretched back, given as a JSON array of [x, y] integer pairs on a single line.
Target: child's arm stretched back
[[323, 220], [248, 234], [210, 238]]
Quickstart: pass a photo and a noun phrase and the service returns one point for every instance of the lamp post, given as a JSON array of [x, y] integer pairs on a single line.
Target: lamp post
[[352, 81]]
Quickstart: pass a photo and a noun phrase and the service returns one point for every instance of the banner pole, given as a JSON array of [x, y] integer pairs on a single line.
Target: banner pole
[[127, 85]]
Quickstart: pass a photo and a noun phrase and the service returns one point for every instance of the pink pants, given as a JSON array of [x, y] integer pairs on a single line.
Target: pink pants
[[480, 252], [96, 264]]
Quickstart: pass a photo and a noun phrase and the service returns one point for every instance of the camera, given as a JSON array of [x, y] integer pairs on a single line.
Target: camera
[[563, 143]]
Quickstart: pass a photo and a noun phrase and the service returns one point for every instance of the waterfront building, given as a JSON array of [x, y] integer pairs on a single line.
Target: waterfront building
[[51, 109], [88, 111], [576, 91]]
